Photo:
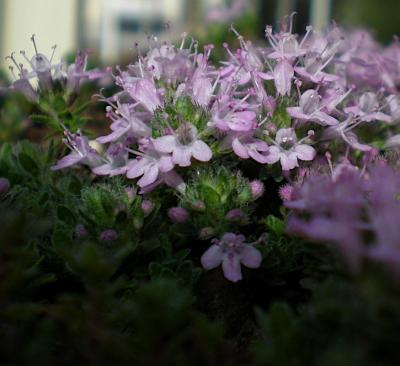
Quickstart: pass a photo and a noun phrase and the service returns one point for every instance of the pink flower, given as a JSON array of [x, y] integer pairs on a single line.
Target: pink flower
[[310, 109], [287, 149], [116, 160], [125, 124], [178, 214], [4, 186], [283, 74], [312, 70], [108, 235], [149, 165], [144, 91], [81, 152], [368, 109], [344, 131], [231, 252], [257, 189], [284, 44], [147, 207], [228, 114], [77, 73], [184, 144], [250, 147]]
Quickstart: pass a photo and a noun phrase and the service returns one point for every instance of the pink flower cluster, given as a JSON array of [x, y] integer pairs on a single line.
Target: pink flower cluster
[[288, 101], [327, 98], [42, 69], [354, 211]]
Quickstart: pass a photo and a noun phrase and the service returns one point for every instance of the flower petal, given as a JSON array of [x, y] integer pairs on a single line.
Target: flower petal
[[289, 162], [212, 257], [136, 168], [165, 144], [201, 151], [283, 75], [250, 257], [305, 152], [165, 164], [231, 267], [113, 136], [181, 156], [240, 149], [67, 161], [297, 112], [150, 175], [273, 155], [102, 169]]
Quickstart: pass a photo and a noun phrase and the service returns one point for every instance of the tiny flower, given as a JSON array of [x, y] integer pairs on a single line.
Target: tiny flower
[[286, 192], [231, 252], [284, 44], [287, 149], [149, 165], [126, 124], [77, 73], [230, 115], [117, 158], [198, 206], [367, 109], [283, 75], [147, 207], [206, 233], [312, 70], [108, 235], [131, 193], [200, 86], [344, 131], [311, 109], [257, 189], [4, 186], [184, 144], [80, 231], [393, 141], [145, 92], [234, 215], [246, 146], [178, 214], [170, 178], [81, 152]]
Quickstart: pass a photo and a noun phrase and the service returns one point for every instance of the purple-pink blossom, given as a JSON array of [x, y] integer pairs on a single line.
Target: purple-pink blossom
[[231, 252], [184, 144], [288, 150]]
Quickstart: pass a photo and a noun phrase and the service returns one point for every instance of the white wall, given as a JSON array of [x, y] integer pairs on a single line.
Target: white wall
[[52, 21]]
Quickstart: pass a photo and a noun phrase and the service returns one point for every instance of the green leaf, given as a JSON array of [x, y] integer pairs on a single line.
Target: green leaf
[[65, 214], [28, 163], [275, 225], [155, 270]]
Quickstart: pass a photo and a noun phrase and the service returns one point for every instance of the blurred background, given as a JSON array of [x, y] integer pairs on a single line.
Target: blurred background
[[110, 27]]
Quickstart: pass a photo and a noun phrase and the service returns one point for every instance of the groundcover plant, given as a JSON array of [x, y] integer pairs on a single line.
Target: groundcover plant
[[242, 211]]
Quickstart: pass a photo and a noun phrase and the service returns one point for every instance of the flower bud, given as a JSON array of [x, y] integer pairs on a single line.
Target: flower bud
[[147, 207], [178, 214], [271, 128], [131, 193], [4, 186], [286, 192], [108, 235], [206, 233], [234, 215], [80, 231], [137, 223], [257, 189], [198, 206]]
